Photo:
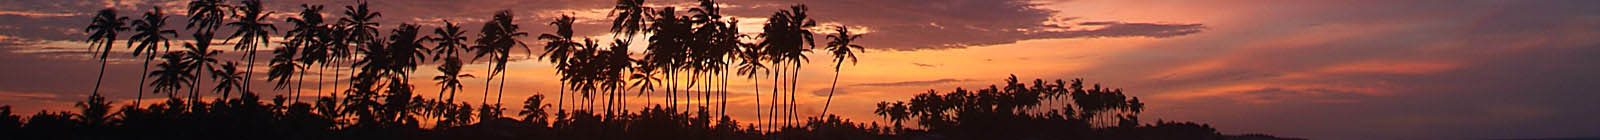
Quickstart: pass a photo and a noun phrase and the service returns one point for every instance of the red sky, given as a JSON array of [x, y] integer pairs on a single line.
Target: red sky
[[1357, 69]]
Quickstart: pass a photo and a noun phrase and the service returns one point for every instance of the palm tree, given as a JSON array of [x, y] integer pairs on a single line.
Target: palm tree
[[451, 78], [358, 28], [645, 76], [406, 50], [150, 32], [840, 45], [403, 53], [201, 59], [229, 79], [96, 112], [787, 34], [102, 34], [361, 23], [451, 38], [668, 40], [750, 63], [207, 16], [630, 17], [533, 110], [499, 36], [309, 35], [283, 66], [616, 62], [712, 43], [559, 49], [583, 71], [172, 74], [451, 41], [253, 32], [896, 112]]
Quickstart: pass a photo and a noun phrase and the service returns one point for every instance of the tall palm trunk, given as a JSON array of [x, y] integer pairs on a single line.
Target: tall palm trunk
[[562, 99], [773, 110], [102, 74], [336, 73], [249, 69], [194, 88], [758, 97], [320, 70], [486, 82], [502, 92], [136, 101], [835, 86], [794, 114], [724, 94], [688, 92], [300, 83]]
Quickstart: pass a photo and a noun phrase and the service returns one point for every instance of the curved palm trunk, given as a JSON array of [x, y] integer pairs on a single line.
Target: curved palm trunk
[[300, 83], [562, 99], [773, 110], [102, 75], [835, 86], [724, 93], [486, 82], [249, 69], [688, 92], [502, 92], [794, 113], [136, 101], [194, 88], [323, 68], [336, 73], [758, 97]]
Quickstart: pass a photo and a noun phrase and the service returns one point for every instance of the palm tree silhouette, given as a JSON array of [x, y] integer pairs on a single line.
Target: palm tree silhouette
[[171, 74], [645, 76], [667, 48], [253, 32], [308, 34], [229, 79], [102, 34], [200, 59], [840, 45], [151, 31], [359, 28], [533, 110], [630, 17], [451, 78], [205, 16], [714, 41], [583, 72], [750, 57], [787, 33], [452, 40], [616, 63], [499, 37], [406, 50], [559, 49], [95, 112], [283, 66], [895, 112]]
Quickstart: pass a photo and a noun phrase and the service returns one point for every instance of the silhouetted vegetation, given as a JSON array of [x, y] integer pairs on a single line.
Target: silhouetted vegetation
[[1042, 110], [689, 55]]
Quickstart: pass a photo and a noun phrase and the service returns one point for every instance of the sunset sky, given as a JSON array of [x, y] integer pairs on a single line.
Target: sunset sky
[[1335, 69]]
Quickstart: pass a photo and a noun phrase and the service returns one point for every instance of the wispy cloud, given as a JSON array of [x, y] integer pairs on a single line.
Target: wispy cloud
[[916, 83]]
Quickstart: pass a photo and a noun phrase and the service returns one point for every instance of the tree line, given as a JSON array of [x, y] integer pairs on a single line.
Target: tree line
[[691, 54]]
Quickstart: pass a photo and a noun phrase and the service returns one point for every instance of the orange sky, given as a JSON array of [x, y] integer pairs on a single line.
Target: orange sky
[[1315, 69]]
